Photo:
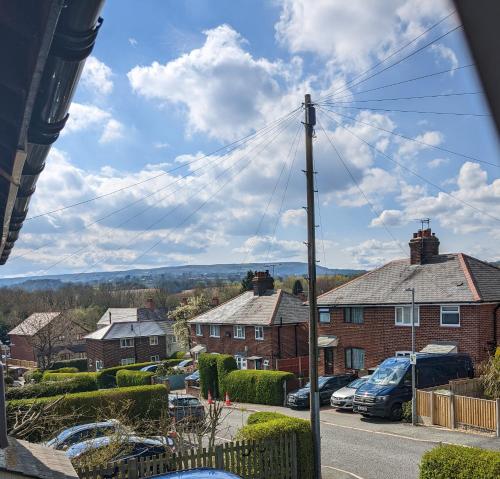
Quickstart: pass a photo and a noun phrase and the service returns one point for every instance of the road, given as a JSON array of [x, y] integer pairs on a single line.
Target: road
[[367, 449]]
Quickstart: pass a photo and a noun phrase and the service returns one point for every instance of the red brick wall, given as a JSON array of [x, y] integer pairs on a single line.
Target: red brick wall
[[381, 338], [20, 348], [110, 352], [269, 348]]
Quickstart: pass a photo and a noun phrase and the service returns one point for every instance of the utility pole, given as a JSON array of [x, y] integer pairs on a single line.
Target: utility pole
[[310, 121], [413, 359]]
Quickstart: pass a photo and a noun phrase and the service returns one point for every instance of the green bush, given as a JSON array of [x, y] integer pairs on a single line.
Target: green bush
[[225, 364], [35, 375], [80, 364], [65, 370], [207, 365], [9, 380], [256, 386], [106, 381], [54, 376], [53, 388], [145, 403], [264, 416], [178, 355], [126, 378], [458, 462], [275, 428], [406, 417]]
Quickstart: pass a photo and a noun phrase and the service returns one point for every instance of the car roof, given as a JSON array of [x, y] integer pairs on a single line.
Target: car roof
[[97, 442], [181, 396], [201, 473], [82, 427]]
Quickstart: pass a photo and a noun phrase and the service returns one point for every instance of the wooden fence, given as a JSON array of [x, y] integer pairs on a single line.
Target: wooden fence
[[22, 363], [451, 410], [248, 459]]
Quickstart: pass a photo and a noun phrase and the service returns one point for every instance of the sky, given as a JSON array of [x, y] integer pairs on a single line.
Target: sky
[[191, 110]]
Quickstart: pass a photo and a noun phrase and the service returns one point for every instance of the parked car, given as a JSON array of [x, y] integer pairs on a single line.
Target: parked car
[[82, 432], [327, 386], [184, 364], [343, 398], [203, 473], [151, 368], [389, 386], [185, 407], [194, 378]]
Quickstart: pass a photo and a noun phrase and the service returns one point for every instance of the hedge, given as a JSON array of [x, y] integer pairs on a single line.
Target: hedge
[[35, 375], [145, 403], [55, 376], [225, 364], [264, 416], [65, 370], [178, 355], [459, 462], [126, 378], [207, 365], [256, 386], [80, 364], [258, 428], [53, 388]]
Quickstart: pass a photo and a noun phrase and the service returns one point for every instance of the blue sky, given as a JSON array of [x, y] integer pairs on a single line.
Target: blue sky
[[169, 82]]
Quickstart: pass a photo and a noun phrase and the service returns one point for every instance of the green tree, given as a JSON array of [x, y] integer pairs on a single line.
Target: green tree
[[183, 313], [297, 288], [246, 282]]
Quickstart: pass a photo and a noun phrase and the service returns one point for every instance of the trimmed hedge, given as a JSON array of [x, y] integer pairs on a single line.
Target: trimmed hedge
[[258, 428], [264, 416], [178, 355], [80, 364], [36, 376], [458, 462], [256, 386], [207, 365], [65, 370], [53, 388], [145, 402], [55, 376], [225, 364], [126, 378]]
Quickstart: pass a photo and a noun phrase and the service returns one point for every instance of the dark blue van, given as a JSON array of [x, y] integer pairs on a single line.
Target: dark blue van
[[389, 386]]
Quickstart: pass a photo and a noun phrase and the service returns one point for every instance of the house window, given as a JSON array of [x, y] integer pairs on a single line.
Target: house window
[[214, 331], [403, 315], [259, 333], [324, 315], [354, 358], [265, 364], [126, 361], [98, 365], [153, 340], [241, 362], [126, 342], [155, 358], [450, 316], [199, 331], [174, 339], [239, 333], [354, 315]]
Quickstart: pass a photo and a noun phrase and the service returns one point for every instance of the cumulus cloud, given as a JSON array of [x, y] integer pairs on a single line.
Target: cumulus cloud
[[437, 162], [293, 217], [410, 149], [97, 77], [389, 218], [447, 54], [373, 253], [269, 248]]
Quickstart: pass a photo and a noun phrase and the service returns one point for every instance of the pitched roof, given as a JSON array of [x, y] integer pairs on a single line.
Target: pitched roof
[[34, 323], [132, 329], [447, 278], [131, 314], [273, 307]]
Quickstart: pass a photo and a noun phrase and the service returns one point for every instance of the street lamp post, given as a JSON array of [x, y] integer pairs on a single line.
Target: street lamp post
[[413, 365]]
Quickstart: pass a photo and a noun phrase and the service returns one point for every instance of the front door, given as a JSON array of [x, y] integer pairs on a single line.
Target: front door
[[328, 352]]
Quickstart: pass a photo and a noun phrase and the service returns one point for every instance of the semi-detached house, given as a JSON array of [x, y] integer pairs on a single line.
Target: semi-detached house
[[257, 327], [457, 309]]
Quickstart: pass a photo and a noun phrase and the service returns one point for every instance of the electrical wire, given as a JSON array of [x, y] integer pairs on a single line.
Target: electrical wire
[[452, 113], [420, 97], [321, 229]]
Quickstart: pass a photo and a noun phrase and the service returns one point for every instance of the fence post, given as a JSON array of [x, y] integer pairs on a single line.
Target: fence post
[[432, 408], [284, 393], [295, 472], [132, 468], [452, 410], [219, 457], [498, 417]]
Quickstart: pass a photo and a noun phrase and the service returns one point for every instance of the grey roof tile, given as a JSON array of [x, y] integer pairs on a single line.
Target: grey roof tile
[[34, 323], [132, 329]]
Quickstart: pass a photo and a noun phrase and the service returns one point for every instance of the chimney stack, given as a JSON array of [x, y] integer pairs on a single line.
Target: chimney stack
[[423, 246], [262, 282], [184, 301], [150, 304], [215, 301]]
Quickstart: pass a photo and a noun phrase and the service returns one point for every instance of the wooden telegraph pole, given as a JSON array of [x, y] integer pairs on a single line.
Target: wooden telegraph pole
[[310, 121]]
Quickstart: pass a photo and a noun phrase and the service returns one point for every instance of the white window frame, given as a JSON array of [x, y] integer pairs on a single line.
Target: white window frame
[[324, 313], [155, 358], [99, 364], [153, 340], [215, 331], [127, 361], [259, 333], [404, 308], [444, 325], [199, 330], [266, 364], [241, 362], [126, 342], [239, 329]]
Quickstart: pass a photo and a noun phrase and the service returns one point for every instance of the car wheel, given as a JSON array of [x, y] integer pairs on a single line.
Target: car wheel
[[396, 412]]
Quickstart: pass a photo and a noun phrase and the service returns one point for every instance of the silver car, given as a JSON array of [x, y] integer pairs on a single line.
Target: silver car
[[342, 399]]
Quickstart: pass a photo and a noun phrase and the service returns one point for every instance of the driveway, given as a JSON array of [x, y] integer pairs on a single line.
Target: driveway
[[355, 447]]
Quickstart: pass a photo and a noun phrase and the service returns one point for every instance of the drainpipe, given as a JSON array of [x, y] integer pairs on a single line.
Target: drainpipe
[[4, 442]]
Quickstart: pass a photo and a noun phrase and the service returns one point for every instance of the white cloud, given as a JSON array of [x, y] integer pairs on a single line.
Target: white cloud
[[410, 149], [133, 41], [113, 130], [161, 145], [437, 162], [373, 253], [389, 218], [268, 248], [293, 217], [447, 54], [97, 77]]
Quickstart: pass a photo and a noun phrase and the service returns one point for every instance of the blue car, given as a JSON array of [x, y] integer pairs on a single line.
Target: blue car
[[203, 473], [151, 368]]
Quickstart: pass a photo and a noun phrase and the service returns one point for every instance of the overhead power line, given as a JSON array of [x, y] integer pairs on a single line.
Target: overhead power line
[[419, 97], [453, 113]]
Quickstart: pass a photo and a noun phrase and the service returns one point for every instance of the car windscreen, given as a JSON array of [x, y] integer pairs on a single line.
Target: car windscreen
[[389, 375], [356, 383], [186, 402], [321, 382]]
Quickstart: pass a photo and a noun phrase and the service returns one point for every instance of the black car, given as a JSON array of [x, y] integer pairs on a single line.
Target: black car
[[327, 386], [184, 407]]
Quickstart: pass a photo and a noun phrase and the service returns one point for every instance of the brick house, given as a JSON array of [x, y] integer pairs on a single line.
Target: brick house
[[457, 309], [46, 337], [257, 327]]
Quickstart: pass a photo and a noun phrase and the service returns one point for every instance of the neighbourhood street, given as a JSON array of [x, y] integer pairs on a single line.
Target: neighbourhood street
[[367, 449]]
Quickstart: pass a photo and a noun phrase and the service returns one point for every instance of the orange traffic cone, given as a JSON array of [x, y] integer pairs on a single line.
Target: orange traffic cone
[[227, 402], [210, 400]]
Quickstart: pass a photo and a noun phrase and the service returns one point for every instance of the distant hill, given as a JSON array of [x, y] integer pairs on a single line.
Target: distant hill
[[150, 277]]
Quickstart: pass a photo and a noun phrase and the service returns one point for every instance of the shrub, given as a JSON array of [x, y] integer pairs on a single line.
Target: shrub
[[458, 462], [35, 375], [256, 386], [406, 417], [126, 378], [490, 377], [54, 376], [9, 380], [65, 370], [225, 364], [207, 365], [178, 355], [80, 364], [53, 388], [264, 416], [275, 428]]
